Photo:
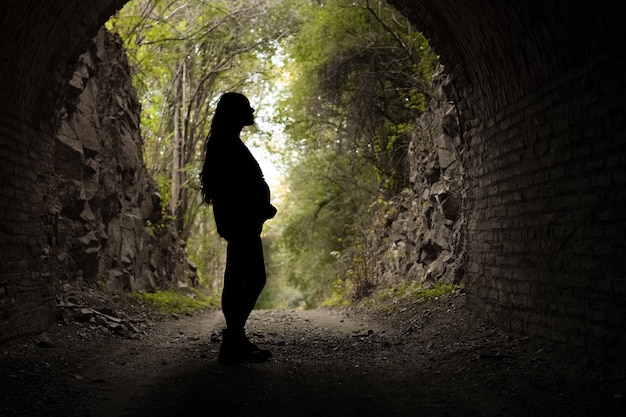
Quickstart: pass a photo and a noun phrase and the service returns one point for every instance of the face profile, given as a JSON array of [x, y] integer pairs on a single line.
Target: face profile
[[232, 113], [249, 120]]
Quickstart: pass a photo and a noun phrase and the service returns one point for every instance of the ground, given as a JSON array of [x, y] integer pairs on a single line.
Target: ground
[[419, 358]]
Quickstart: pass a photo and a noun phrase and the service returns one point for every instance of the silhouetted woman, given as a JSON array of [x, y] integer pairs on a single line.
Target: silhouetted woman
[[233, 183]]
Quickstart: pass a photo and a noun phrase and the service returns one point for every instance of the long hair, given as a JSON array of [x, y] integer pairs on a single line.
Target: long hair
[[228, 116]]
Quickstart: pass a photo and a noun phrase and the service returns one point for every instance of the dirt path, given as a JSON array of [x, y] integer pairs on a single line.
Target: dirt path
[[325, 363], [432, 359]]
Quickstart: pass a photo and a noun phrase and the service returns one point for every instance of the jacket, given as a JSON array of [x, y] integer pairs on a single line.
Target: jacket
[[239, 193]]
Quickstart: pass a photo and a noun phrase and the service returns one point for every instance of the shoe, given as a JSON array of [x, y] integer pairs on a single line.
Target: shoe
[[255, 353], [237, 348]]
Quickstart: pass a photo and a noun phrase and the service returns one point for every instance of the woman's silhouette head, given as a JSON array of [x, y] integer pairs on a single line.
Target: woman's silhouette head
[[233, 112]]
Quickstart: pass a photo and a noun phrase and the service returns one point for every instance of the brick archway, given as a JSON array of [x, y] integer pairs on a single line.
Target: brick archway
[[540, 91], [39, 46]]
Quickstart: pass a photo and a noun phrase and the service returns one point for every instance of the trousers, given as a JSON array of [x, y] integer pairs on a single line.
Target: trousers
[[244, 279]]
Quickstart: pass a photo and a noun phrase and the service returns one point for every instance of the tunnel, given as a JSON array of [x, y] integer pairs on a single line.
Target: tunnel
[[539, 88]]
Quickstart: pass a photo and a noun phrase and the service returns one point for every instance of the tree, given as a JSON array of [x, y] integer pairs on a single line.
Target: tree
[[360, 73], [354, 80], [185, 55]]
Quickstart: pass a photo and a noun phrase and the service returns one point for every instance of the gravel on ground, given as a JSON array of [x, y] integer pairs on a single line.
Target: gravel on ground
[[421, 358]]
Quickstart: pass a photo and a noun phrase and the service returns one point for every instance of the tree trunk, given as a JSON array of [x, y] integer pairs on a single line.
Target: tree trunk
[[176, 153]]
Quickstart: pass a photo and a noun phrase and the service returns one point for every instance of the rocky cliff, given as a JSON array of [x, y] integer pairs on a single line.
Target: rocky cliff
[[107, 218], [418, 235]]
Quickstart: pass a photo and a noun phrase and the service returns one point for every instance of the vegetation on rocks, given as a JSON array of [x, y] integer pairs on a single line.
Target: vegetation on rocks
[[180, 301], [339, 88]]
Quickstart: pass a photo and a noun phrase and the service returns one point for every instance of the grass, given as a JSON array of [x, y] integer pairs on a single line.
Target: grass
[[436, 290], [388, 300], [178, 301], [338, 297]]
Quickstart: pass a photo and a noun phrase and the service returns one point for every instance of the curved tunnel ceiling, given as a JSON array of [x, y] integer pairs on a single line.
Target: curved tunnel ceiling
[[496, 52], [39, 44], [499, 52]]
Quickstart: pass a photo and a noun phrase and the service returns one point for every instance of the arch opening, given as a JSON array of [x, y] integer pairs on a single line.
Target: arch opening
[[539, 89]]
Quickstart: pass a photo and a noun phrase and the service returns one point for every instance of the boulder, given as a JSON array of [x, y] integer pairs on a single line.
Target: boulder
[[421, 237], [105, 197]]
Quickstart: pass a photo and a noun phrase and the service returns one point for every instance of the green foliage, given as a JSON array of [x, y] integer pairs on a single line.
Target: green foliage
[[348, 79], [164, 182], [184, 55], [415, 291], [361, 273], [207, 251], [435, 291], [358, 76], [339, 296], [360, 72], [387, 300], [315, 233], [178, 302]]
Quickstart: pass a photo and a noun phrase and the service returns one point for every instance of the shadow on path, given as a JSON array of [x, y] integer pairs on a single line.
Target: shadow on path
[[323, 364], [330, 363], [427, 359]]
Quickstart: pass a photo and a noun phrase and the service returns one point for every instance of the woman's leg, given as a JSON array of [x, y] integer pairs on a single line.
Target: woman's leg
[[244, 280]]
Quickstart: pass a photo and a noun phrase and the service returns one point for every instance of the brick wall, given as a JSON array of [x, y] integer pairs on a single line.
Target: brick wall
[[546, 251], [540, 88], [34, 67], [25, 291]]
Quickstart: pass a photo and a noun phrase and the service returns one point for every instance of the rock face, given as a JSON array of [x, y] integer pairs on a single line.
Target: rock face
[[418, 235], [107, 220]]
